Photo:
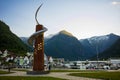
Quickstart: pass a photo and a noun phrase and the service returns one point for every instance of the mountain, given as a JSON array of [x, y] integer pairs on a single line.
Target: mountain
[[88, 50], [97, 44], [112, 52], [64, 45], [61, 45], [24, 39], [10, 41]]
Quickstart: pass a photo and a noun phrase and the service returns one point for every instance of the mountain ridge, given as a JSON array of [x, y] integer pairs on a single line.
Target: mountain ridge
[[87, 47], [63, 46], [111, 52], [98, 44], [10, 41]]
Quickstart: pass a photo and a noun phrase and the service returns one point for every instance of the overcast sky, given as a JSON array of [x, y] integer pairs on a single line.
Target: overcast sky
[[82, 18]]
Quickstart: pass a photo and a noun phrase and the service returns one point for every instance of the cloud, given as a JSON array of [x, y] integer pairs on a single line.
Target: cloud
[[115, 3]]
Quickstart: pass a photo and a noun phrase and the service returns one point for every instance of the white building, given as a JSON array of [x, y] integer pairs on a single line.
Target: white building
[[115, 63]]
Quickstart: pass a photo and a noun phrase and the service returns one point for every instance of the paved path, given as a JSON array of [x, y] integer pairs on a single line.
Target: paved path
[[63, 75]]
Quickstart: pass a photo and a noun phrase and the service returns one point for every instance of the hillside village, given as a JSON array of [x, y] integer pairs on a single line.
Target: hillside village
[[27, 61]]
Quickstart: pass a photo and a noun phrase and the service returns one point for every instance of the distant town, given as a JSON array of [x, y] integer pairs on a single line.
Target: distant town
[[56, 63]]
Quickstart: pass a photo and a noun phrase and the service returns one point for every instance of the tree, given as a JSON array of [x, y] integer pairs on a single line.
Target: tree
[[9, 64]]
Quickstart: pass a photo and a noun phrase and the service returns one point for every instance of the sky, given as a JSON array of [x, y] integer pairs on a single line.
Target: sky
[[82, 18]]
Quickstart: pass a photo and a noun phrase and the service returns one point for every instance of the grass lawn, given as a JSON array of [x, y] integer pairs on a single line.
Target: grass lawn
[[76, 70], [99, 75], [5, 72], [27, 78]]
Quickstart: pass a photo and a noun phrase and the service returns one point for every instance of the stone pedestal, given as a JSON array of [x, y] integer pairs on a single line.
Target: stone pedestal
[[37, 72]]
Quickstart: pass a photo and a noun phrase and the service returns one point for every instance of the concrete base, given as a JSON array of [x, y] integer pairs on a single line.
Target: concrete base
[[37, 72]]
